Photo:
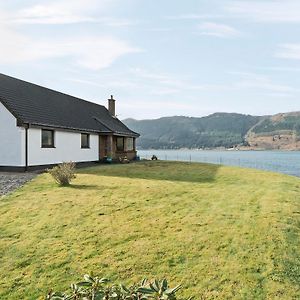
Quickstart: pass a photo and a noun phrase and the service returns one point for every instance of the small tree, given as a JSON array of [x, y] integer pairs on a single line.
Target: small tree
[[63, 173]]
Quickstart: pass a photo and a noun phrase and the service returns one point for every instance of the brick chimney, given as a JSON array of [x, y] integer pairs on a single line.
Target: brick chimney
[[112, 106]]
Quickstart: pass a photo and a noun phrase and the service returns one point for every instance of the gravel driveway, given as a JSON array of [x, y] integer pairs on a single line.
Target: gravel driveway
[[11, 181]]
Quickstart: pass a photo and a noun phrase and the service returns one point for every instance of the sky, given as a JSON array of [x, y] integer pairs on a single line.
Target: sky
[[159, 58]]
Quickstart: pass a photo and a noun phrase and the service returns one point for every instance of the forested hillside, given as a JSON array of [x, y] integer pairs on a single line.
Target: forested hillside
[[289, 121], [216, 130], [281, 131]]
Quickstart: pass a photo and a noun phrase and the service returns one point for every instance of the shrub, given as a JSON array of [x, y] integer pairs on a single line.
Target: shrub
[[63, 173], [96, 288]]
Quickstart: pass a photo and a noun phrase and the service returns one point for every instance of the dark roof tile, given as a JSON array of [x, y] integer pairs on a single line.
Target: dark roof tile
[[37, 105]]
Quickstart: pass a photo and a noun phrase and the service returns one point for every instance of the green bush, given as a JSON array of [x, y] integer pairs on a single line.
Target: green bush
[[96, 288], [63, 173]]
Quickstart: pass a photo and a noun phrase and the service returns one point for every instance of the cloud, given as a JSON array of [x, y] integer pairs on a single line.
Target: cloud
[[287, 11], [289, 51], [218, 30], [165, 91], [164, 83], [91, 52], [156, 107], [66, 12], [108, 83], [280, 69], [258, 82], [60, 12], [194, 17], [169, 84]]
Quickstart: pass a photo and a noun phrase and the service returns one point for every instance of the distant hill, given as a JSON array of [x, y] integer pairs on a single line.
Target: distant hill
[[227, 130], [281, 131], [217, 130]]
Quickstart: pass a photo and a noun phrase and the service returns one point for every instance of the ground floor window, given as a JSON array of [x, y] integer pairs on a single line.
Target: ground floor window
[[120, 144], [85, 140], [47, 138], [129, 144]]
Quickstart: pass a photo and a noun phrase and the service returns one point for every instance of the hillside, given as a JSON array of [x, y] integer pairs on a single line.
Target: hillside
[[217, 130], [227, 130], [280, 131]]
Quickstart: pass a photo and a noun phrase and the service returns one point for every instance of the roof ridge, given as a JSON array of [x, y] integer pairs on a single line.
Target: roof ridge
[[98, 120]]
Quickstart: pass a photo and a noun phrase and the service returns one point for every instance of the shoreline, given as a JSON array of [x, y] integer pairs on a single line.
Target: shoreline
[[223, 149]]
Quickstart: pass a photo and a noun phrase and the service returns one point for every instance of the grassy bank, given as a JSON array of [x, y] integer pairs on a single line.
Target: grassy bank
[[224, 233]]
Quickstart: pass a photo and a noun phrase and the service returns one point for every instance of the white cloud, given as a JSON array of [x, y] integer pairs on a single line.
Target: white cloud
[[193, 17], [218, 30], [280, 69], [108, 83], [155, 108], [244, 81], [289, 51], [91, 52], [164, 91], [60, 12], [258, 82], [267, 11], [66, 12], [164, 83]]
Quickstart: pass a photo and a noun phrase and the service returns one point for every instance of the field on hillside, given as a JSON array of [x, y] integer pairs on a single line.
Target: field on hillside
[[223, 232]]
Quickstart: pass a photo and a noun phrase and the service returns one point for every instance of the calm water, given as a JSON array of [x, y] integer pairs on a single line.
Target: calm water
[[279, 161]]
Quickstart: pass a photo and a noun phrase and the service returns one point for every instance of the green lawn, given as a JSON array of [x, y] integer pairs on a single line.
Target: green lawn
[[224, 233]]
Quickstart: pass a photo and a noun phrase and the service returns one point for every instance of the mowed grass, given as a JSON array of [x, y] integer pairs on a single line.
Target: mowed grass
[[224, 233]]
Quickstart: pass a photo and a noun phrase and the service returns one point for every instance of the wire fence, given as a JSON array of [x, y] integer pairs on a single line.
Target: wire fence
[[285, 162]]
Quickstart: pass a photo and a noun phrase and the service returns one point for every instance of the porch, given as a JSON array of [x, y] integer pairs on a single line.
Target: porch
[[116, 147]]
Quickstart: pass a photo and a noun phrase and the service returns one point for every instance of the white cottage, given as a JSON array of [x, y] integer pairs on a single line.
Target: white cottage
[[40, 127]]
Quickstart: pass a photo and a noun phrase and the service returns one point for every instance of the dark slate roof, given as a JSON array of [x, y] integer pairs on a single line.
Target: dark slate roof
[[39, 106]]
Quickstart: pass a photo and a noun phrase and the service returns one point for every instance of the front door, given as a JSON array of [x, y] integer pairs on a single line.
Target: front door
[[106, 147]]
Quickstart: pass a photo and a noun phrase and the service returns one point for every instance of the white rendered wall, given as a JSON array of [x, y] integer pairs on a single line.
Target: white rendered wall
[[12, 140], [67, 148]]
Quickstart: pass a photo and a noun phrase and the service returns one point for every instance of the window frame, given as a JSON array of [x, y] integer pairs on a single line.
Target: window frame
[[52, 145], [88, 141]]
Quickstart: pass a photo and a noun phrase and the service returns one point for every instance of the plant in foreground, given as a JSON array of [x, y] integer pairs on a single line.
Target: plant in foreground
[[63, 173], [96, 288]]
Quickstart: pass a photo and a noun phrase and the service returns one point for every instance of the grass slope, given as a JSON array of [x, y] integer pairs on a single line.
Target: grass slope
[[224, 233]]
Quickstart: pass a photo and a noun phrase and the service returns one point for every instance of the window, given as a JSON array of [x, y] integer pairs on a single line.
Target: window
[[120, 144], [47, 138], [129, 144], [85, 140]]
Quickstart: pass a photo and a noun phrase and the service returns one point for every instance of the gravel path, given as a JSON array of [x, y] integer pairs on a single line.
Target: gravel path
[[11, 181]]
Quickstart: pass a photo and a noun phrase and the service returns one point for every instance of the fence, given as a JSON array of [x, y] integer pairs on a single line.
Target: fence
[[271, 161]]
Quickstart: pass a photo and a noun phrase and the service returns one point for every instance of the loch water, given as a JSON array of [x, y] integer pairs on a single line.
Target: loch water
[[287, 162]]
